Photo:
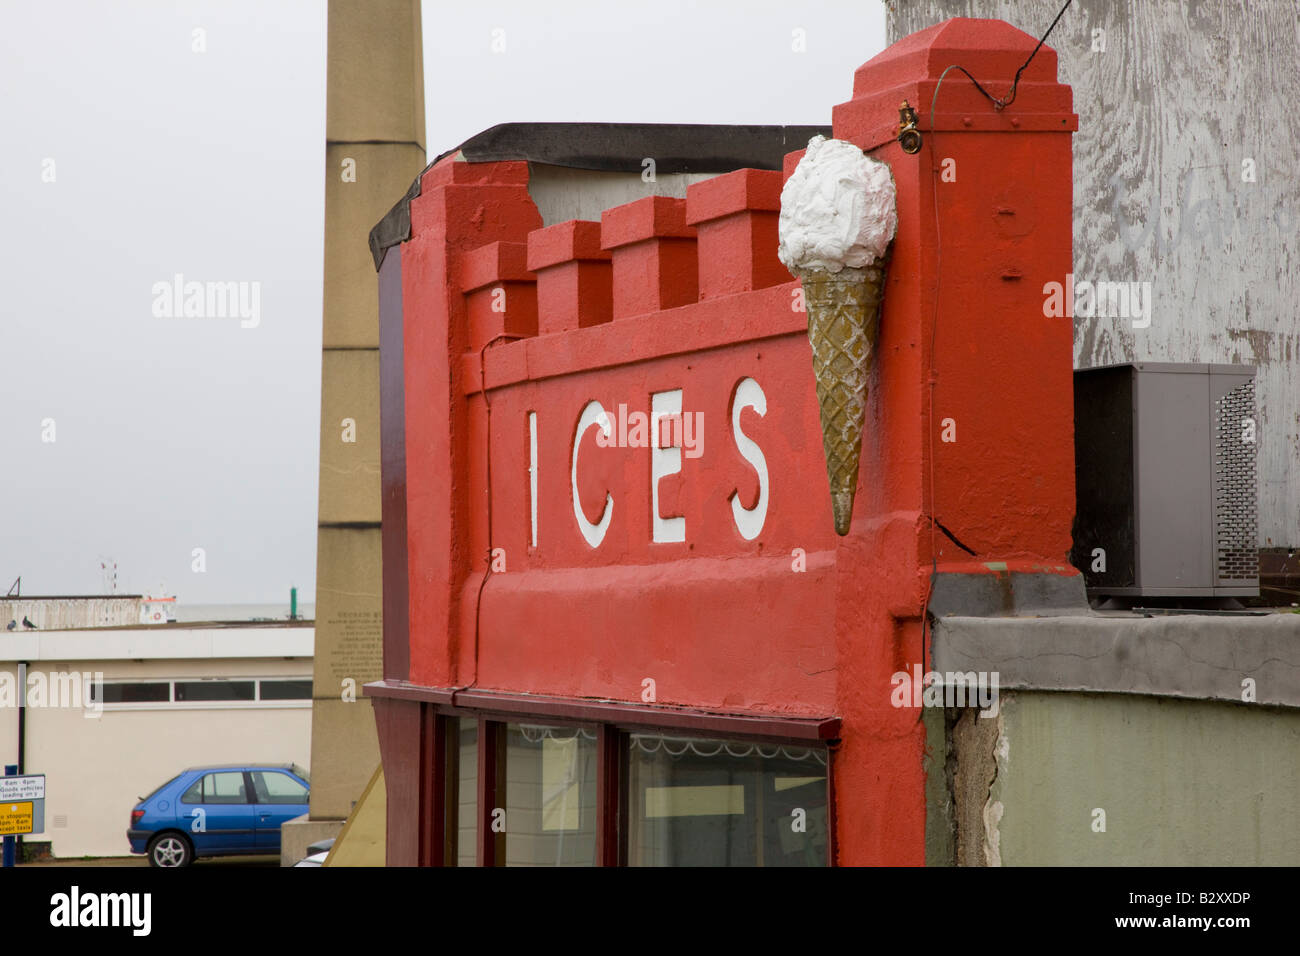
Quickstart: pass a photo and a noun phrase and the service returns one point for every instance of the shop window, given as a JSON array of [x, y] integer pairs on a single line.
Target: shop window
[[701, 802], [550, 806], [463, 779], [540, 794]]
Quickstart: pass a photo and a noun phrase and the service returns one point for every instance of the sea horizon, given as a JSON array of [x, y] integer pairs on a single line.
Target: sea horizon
[[241, 612]]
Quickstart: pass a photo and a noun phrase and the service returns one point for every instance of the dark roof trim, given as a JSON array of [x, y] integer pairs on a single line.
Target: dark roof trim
[[507, 704], [395, 227], [621, 147], [610, 147]]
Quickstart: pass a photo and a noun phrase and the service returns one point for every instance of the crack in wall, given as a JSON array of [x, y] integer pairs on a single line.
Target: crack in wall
[[977, 750]]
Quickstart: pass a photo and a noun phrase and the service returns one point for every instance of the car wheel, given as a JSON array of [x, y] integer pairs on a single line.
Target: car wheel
[[170, 849]]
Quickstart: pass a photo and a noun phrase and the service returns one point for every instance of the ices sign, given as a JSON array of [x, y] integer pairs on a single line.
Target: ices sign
[[672, 435]]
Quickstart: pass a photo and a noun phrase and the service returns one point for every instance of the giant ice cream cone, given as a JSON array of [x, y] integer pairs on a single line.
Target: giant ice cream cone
[[837, 220], [843, 319]]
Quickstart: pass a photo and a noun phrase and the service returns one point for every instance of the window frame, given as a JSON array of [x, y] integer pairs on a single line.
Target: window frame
[[249, 792], [613, 725], [250, 778], [171, 703]]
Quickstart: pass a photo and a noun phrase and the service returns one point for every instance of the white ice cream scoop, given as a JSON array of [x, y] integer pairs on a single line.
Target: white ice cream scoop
[[838, 218], [837, 209]]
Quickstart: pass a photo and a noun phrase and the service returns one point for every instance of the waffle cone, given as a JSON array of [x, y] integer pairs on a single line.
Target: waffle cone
[[843, 322]]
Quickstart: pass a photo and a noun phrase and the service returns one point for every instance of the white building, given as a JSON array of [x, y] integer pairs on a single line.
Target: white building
[[172, 697]]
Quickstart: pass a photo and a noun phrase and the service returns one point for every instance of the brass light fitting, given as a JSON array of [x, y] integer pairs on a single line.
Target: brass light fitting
[[909, 137]]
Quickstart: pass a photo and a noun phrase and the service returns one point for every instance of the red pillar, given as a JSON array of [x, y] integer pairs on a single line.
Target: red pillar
[[461, 207], [970, 416]]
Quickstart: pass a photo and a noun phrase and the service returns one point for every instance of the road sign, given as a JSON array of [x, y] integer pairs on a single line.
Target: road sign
[[30, 787], [16, 818]]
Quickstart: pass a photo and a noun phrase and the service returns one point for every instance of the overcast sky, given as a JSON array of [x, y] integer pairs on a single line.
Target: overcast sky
[[130, 157]]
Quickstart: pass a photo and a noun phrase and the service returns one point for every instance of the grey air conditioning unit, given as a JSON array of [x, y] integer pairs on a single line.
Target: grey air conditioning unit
[[1164, 459]]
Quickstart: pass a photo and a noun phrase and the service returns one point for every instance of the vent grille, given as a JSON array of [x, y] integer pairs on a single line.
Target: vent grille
[[1236, 545]]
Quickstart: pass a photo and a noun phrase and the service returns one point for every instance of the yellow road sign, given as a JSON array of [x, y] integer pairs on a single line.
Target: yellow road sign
[[15, 818]]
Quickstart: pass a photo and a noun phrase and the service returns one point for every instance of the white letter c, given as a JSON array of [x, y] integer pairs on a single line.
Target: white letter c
[[593, 414]]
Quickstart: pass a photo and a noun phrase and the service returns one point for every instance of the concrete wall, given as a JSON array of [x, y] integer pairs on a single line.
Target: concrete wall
[[61, 613], [1121, 780], [344, 742], [97, 767], [562, 194], [1172, 99]]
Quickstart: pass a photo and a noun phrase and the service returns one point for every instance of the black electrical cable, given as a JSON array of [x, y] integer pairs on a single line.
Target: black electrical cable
[[1004, 102]]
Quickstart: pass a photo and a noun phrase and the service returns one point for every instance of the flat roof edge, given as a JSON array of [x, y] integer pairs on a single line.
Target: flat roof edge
[[1184, 656], [150, 643]]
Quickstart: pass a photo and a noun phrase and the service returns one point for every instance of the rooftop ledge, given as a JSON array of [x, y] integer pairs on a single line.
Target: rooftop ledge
[[155, 642], [1197, 657], [1036, 632]]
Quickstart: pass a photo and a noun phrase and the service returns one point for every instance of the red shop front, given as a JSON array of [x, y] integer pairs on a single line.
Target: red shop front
[[619, 625]]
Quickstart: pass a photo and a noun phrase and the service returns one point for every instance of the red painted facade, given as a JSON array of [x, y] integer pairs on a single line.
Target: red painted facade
[[669, 295]]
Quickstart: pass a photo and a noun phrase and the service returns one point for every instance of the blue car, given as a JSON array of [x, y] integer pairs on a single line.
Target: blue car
[[228, 810]]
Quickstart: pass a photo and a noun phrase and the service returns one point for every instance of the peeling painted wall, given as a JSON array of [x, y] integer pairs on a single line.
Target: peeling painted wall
[[1172, 99], [1124, 780], [972, 774]]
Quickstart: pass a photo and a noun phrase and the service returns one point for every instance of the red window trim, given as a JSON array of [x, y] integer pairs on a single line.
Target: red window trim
[[612, 720], [502, 705]]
